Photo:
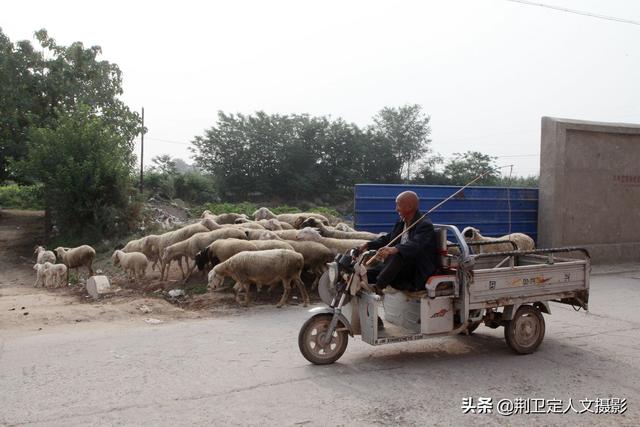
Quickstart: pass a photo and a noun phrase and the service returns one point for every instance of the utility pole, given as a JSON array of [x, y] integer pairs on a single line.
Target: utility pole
[[142, 154]]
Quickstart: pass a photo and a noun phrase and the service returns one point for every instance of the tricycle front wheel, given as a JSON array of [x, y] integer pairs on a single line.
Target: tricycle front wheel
[[525, 331], [316, 346]]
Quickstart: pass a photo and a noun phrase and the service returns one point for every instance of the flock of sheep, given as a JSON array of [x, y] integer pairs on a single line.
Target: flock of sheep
[[264, 251]]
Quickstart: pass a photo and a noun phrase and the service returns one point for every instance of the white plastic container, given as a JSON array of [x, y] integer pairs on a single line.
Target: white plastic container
[[437, 315], [402, 312]]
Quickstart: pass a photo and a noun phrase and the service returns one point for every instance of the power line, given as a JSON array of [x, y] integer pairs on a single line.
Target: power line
[[577, 12]]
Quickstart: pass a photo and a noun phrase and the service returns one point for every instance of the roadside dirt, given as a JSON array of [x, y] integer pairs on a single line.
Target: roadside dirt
[[24, 307]]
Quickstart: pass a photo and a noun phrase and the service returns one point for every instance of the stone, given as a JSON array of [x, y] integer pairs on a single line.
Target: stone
[[97, 286]]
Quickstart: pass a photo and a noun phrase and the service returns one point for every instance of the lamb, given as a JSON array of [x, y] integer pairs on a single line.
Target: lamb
[[316, 256], [265, 213], [194, 244], [337, 234], [140, 245], [522, 241], [82, 256], [336, 245], [134, 264], [40, 270], [54, 274], [262, 268], [44, 255]]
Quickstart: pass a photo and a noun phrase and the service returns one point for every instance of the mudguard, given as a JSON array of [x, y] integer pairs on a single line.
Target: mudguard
[[328, 310]]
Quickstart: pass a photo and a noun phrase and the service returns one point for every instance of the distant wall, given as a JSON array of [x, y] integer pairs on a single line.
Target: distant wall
[[589, 191]]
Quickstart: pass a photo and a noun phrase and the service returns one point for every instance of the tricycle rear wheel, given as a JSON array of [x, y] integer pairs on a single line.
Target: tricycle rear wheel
[[313, 344], [525, 331]]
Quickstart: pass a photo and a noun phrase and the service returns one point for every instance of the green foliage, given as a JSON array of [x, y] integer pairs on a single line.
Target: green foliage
[[21, 197], [406, 131], [37, 86], [292, 158], [84, 165], [465, 167]]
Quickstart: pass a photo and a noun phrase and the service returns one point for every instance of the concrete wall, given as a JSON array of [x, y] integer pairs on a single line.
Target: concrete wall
[[590, 188]]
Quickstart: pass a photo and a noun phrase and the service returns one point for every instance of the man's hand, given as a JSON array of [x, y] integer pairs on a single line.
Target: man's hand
[[387, 251]]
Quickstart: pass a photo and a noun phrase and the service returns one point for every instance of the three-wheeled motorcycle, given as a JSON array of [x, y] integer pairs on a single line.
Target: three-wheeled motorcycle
[[509, 289]]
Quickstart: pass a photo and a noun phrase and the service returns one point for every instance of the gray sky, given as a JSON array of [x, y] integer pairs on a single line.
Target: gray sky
[[485, 70]]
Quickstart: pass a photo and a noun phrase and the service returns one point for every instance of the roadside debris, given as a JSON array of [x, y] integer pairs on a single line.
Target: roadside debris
[[144, 308], [152, 321], [175, 293]]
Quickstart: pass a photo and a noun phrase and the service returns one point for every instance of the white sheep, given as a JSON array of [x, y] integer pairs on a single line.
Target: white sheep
[[290, 218], [140, 245], [522, 241], [190, 247], [261, 235], [167, 239], [54, 274], [225, 218], [337, 234], [40, 270], [316, 256], [223, 249], [337, 246], [341, 226], [134, 264], [286, 234], [44, 255], [262, 268], [82, 256]]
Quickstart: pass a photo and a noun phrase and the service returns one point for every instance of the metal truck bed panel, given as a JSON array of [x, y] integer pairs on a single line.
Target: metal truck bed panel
[[525, 283]]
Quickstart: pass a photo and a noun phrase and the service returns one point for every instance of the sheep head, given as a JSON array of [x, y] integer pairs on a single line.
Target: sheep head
[[309, 233], [471, 234], [263, 213], [60, 252], [38, 249], [210, 224], [115, 260], [206, 213], [215, 279], [311, 222], [201, 258]]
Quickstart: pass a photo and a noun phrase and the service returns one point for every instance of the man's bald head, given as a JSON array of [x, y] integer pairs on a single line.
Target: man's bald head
[[407, 204]]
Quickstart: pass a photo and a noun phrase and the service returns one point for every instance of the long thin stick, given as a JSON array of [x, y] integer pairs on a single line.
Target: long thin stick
[[430, 211]]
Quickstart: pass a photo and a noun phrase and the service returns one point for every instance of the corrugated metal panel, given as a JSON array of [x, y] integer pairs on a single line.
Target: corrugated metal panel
[[486, 208]]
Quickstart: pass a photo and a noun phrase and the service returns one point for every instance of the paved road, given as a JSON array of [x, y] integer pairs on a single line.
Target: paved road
[[246, 370]]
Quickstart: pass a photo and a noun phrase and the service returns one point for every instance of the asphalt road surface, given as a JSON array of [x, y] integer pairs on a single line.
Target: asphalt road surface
[[246, 370]]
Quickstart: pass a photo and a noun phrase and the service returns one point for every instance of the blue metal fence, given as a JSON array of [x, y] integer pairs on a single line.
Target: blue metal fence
[[486, 208]]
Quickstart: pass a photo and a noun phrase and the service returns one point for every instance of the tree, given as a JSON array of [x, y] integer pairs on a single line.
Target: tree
[[406, 130], [164, 164], [463, 168], [37, 86], [85, 166]]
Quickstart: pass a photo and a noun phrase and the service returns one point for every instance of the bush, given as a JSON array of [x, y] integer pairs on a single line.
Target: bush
[[21, 197], [194, 187], [85, 166]]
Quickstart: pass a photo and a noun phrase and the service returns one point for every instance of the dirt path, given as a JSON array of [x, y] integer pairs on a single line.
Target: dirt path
[[24, 307]]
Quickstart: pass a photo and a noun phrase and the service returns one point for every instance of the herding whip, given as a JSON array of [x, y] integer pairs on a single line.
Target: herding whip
[[433, 209]]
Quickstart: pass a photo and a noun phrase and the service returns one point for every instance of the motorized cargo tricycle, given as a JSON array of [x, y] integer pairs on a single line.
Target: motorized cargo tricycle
[[500, 289]]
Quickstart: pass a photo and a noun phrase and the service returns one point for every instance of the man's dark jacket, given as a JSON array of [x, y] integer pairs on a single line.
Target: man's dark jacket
[[419, 252]]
